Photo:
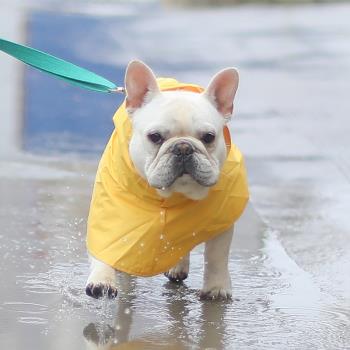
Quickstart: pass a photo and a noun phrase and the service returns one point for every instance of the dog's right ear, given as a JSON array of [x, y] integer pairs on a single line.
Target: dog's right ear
[[140, 84]]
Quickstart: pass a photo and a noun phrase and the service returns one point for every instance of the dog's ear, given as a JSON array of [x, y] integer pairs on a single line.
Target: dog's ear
[[222, 89], [140, 84]]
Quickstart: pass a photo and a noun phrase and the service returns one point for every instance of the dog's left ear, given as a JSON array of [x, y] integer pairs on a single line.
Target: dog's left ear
[[222, 89], [141, 85]]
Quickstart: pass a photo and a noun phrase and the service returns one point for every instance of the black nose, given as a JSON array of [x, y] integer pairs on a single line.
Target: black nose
[[182, 149]]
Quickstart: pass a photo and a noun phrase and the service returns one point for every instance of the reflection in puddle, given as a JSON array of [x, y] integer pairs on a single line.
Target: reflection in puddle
[[176, 331]]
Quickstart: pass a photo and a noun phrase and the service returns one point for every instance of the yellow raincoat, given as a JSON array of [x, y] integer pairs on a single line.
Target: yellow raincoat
[[133, 229]]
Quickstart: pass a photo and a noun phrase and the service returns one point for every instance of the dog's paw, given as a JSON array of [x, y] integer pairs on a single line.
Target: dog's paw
[[176, 276], [100, 290], [180, 271], [216, 293]]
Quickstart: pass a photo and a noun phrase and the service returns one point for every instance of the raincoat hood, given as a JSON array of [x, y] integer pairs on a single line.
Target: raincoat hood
[[133, 229]]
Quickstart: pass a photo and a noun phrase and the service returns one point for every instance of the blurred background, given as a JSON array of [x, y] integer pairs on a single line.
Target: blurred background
[[291, 254]]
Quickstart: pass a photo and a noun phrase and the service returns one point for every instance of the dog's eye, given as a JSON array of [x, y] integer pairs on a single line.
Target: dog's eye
[[155, 138], [208, 137]]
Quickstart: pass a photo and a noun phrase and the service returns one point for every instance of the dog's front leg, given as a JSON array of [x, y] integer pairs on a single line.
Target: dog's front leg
[[217, 281], [101, 281]]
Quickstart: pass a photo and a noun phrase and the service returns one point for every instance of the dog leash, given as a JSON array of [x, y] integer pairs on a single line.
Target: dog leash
[[59, 68]]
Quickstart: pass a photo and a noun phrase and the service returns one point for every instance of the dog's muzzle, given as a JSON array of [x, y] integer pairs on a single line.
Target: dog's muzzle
[[183, 152]]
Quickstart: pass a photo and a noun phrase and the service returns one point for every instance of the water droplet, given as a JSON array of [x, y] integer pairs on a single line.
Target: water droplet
[[193, 234], [142, 244], [161, 236], [118, 327], [163, 188], [127, 311]]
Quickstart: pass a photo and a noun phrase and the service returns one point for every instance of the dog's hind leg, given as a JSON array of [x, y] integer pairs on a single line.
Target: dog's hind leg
[[101, 281], [180, 271]]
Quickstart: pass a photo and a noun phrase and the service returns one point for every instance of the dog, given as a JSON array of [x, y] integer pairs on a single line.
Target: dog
[[169, 179]]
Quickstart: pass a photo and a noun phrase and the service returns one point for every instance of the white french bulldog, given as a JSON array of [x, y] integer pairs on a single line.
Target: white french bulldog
[[177, 145]]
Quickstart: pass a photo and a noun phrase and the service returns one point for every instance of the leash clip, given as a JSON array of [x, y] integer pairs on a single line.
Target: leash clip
[[118, 89]]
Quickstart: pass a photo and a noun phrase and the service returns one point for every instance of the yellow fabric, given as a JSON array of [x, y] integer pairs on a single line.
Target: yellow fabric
[[133, 229]]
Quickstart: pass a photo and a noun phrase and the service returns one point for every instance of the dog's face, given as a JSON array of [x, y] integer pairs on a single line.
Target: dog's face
[[177, 143]]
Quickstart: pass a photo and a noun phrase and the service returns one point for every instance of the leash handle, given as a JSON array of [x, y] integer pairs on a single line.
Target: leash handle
[[59, 68]]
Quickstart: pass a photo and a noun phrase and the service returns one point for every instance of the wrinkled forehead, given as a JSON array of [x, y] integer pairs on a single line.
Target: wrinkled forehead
[[180, 112]]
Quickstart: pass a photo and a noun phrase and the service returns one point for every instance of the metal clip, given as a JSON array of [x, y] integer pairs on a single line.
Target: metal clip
[[118, 89]]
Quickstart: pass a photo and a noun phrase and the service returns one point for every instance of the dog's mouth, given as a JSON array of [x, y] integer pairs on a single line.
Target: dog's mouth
[[194, 167], [188, 171], [183, 166]]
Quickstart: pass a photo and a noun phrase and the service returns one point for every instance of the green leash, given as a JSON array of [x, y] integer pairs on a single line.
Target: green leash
[[59, 68]]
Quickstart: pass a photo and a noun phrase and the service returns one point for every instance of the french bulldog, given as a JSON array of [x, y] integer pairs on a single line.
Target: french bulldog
[[177, 146]]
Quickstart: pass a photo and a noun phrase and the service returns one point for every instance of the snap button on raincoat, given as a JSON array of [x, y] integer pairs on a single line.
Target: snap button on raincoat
[[133, 229]]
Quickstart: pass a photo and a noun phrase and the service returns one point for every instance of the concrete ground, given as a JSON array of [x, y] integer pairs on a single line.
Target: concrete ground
[[290, 256]]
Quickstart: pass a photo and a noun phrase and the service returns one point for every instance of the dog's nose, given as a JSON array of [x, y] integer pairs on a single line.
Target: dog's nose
[[182, 149]]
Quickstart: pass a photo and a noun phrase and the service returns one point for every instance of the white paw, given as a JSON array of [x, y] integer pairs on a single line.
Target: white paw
[[217, 286], [176, 276], [100, 290], [102, 282], [179, 272], [216, 293]]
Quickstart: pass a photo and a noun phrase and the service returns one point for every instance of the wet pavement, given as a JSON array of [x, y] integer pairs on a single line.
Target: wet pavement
[[290, 257]]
